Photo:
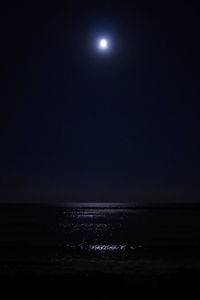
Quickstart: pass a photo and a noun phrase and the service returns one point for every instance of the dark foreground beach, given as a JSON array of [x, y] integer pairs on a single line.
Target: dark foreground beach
[[182, 283], [99, 251]]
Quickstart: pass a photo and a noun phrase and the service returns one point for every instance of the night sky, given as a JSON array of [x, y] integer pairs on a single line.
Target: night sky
[[78, 124]]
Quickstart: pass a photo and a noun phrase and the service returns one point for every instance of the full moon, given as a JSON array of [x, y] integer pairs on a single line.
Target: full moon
[[103, 44]]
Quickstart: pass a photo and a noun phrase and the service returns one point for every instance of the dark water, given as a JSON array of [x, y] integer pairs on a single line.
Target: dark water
[[77, 237]]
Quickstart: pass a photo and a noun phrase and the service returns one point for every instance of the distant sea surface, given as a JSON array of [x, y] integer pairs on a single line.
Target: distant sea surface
[[111, 237]]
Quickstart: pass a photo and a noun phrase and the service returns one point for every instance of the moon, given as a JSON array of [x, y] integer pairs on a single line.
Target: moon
[[103, 44]]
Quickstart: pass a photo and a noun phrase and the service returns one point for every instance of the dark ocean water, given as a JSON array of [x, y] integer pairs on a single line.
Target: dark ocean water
[[112, 237]]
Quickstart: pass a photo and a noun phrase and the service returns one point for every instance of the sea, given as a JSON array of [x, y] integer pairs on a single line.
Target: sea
[[117, 238]]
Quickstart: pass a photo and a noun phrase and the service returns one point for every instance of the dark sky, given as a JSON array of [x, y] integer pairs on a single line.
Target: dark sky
[[80, 125]]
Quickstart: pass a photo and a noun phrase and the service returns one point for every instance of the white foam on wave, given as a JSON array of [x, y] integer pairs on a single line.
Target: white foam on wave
[[107, 247]]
